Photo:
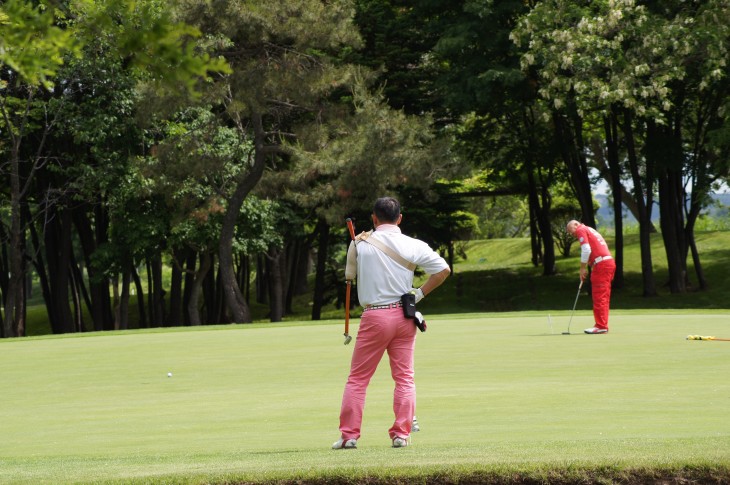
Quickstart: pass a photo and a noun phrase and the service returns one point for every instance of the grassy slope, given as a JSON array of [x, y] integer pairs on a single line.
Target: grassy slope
[[501, 398]]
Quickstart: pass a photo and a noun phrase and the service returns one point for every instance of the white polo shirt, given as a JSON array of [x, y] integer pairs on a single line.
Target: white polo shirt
[[380, 280]]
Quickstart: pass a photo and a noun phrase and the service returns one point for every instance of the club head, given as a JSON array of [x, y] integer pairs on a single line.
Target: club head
[[566, 333], [348, 339]]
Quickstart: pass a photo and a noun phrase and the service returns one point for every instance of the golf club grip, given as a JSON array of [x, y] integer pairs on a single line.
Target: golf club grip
[[351, 228], [347, 308]]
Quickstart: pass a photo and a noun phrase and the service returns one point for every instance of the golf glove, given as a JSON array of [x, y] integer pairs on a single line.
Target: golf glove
[[419, 294]]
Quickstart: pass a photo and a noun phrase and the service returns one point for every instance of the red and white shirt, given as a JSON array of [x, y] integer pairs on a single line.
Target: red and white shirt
[[592, 244]]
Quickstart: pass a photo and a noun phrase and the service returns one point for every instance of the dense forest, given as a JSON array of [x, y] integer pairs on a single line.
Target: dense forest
[[227, 141]]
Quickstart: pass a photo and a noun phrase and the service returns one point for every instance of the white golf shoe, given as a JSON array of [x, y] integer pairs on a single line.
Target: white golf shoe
[[414, 425], [343, 444], [399, 442], [595, 330]]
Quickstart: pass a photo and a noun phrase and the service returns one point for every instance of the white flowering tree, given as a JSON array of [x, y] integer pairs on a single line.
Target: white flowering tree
[[646, 71]]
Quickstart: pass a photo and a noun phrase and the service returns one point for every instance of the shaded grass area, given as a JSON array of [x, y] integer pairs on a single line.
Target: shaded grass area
[[501, 399]]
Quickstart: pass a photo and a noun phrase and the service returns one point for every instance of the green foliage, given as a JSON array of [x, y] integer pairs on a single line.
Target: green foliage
[[38, 40], [502, 216], [439, 216], [603, 53], [145, 36], [31, 43], [344, 164]]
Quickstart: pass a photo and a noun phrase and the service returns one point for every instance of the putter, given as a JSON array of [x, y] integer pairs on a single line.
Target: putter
[[348, 337], [574, 304]]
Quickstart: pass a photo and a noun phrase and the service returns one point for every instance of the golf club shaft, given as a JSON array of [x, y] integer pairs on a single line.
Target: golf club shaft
[[351, 229], [574, 304], [347, 308]]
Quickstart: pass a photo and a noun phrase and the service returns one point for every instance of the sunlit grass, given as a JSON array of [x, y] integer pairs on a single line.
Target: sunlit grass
[[498, 395]]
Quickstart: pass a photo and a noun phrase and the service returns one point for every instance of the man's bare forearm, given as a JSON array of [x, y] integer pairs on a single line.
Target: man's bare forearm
[[434, 281]]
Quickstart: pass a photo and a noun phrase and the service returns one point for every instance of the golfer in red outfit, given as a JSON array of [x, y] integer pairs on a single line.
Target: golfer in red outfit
[[594, 253], [383, 328]]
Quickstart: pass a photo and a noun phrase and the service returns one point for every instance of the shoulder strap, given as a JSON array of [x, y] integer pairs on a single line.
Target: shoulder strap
[[365, 236]]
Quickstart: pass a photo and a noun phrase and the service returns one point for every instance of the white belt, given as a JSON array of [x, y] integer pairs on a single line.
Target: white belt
[[601, 258]]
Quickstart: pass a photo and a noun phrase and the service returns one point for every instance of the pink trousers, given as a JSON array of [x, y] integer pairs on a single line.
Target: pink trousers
[[601, 278], [381, 330]]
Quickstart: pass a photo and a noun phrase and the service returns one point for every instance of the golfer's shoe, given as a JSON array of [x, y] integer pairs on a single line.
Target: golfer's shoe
[[399, 442], [343, 444], [414, 425], [595, 330]]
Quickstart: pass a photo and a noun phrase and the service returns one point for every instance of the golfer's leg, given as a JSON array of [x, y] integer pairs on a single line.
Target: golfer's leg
[[400, 353], [601, 282], [370, 344]]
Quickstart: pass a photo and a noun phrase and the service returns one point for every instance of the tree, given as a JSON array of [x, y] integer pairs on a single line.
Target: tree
[[282, 58], [641, 67], [38, 45], [31, 50], [343, 163]]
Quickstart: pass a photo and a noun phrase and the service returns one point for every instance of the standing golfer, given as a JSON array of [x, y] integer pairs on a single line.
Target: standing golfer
[[381, 281], [594, 253]]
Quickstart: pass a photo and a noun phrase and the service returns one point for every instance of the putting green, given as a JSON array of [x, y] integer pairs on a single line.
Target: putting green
[[263, 401]]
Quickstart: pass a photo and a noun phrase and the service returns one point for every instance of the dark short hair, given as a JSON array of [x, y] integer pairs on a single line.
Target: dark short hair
[[387, 209]]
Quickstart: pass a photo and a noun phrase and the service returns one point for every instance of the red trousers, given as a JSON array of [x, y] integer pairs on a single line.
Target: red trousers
[[601, 278], [381, 330]]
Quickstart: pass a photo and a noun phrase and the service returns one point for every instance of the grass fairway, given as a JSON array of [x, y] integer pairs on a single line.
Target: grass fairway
[[500, 399]]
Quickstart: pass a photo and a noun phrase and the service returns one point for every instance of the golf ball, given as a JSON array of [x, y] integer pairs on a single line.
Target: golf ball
[[169, 374]]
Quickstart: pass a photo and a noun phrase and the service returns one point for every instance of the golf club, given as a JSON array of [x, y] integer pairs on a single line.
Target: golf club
[[348, 337], [574, 304]]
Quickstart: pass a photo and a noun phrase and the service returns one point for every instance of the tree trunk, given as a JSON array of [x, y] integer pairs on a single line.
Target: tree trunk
[[190, 261], [535, 241], [174, 316], [644, 206], [4, 269], [692, 214], [123, 323], [319, 279], [541, 204], [664, 152], [276, 285], [90, 238], [193, 304], [140, 297], [240, 312], [79, 293], [572, 150], [293, 258], [210, 298], [612, 141], [158, 292], [76, 297], [262, 280], [58, 252], [40, 268], [13, 323]]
